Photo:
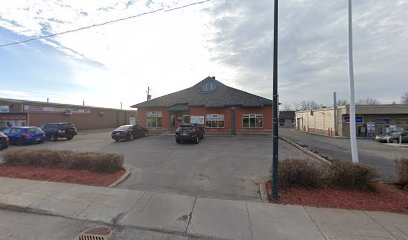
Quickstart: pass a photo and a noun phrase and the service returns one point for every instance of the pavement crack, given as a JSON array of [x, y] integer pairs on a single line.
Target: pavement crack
[[314, 222], [190, 215], [249, 219]]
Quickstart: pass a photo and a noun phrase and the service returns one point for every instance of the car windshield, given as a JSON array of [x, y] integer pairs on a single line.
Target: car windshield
[[185, 128], [34, 130], [123, 128], [67, 125]]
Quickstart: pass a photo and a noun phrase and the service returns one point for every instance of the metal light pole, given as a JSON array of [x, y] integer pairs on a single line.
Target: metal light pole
[[353, 138], [275, 104]]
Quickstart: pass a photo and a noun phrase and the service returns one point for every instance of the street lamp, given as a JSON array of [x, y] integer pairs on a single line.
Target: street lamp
[[275, 105]]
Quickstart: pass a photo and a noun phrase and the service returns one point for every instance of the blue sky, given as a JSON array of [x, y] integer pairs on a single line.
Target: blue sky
[[170, 51]]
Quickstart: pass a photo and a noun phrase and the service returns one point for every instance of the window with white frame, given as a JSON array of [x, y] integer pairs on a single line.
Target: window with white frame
[[252, 120], [154, 119], [214, 121]]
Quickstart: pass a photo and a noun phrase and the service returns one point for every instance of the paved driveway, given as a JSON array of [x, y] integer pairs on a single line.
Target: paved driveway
[[220, 167], [379, 155]]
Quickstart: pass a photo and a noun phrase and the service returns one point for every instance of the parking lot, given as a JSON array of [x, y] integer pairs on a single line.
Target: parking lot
[[226, 167]]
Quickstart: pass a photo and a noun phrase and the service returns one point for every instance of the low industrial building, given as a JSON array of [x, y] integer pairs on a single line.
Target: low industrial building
[[287, 119], [209, 103], [23, 113], [371, 120]]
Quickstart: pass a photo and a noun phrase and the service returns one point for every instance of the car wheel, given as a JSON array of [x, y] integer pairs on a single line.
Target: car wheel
[[202, 136], [196, 140], [131, 137], [69, 137], [177, 141], [395, 141], [53, 138], [19, 142]]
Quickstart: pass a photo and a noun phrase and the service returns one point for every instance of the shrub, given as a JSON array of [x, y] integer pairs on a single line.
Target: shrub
[[92, 161], [352, 175], [301, 173], [402, 171]]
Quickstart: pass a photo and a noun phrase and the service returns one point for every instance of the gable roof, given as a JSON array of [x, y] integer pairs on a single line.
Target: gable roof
[[208, 93]]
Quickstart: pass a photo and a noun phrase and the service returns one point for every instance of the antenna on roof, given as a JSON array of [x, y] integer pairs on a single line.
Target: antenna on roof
[[148, 94]]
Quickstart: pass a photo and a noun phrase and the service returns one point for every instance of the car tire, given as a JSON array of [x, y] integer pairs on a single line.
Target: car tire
[[69, 137], [202, 136], [395, 140], [131, 137], [177, 141], [53, 138], [196, 140], [19, 142]]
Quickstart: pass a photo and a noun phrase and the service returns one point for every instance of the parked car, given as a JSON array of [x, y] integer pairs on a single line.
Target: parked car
[[4, 141], [189, 133], [129, 132], [395, 137], [53, 131], [384, 138], [24, 135], [3, 128]]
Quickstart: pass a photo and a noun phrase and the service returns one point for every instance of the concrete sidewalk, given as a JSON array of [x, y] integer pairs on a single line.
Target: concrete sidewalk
[[203, 217]]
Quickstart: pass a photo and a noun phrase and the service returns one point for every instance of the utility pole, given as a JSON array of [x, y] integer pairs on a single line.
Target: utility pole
[[353, 138], [275, 106], [148, 94], [120, 105]]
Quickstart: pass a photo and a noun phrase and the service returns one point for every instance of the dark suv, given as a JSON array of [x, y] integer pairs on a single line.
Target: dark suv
[[53, 131], [189, 133]]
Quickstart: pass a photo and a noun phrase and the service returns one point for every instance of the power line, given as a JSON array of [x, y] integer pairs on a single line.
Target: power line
[[102, 24]]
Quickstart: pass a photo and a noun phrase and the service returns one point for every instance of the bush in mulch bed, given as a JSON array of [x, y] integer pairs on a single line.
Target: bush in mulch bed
[[307, 174], [352, 175], [301, 173], [92, 161], [402, 172]]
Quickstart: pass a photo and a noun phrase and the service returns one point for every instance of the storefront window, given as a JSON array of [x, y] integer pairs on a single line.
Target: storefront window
[[154, 119], [214, 121], [252, 120]]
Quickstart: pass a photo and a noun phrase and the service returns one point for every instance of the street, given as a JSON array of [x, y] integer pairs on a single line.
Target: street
[[378, 155]]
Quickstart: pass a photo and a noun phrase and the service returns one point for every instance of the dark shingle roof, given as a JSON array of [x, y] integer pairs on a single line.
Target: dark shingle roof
[[208, 93]]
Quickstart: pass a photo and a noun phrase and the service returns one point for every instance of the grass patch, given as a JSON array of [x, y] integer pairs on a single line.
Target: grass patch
[[92, 161], [402, 171]]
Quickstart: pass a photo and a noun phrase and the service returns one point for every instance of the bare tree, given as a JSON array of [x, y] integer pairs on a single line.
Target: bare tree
[[307, 105], [296, 106], [341, 102], [404, 98], [368, 101], [286, 107]]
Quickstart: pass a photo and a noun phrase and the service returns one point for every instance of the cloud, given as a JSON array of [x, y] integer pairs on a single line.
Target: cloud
[[313, 47], [232, 40]]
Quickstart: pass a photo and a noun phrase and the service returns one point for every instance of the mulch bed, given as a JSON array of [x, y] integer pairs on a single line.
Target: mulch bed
[[58, 174], [386, 198]]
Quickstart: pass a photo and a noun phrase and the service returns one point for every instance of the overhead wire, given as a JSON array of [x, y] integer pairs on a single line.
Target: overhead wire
[[102, 24]]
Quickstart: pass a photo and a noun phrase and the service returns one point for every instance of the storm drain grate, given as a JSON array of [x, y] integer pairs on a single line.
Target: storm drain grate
[[96, 233]]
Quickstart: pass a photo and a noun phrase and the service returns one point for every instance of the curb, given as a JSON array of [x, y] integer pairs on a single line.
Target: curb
[[263, 192], [397, 145], [121, 179], [310, 153]]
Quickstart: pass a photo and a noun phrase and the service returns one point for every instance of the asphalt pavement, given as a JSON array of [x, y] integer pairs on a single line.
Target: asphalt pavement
[[379, 155], [228, 167]]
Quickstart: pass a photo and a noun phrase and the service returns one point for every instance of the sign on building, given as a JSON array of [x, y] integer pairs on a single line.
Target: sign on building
[[346, 119], [197, 119], [4, 108]]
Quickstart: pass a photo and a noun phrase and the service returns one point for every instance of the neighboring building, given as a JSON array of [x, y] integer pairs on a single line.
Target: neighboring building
[[23, 112], [371, 120], [210, 103], [287, 119]]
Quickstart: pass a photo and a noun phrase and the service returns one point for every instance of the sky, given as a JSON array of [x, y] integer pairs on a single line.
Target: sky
[[174, 48]]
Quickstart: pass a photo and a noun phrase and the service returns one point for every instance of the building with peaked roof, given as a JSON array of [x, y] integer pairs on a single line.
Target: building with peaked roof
[[217, 107]]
